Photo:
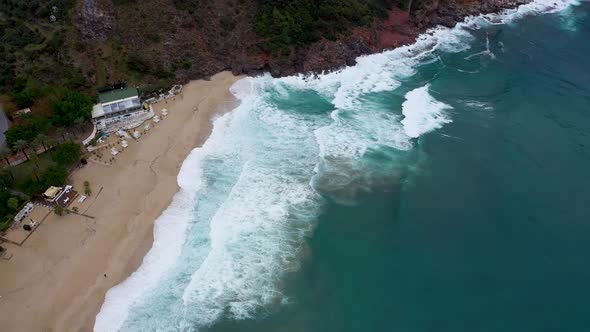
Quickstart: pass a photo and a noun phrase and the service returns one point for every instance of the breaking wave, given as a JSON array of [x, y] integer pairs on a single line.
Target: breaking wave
[[250, 196], [423, 113]]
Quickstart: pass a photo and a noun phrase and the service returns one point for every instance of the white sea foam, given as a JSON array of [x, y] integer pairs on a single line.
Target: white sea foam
[[169, 234], [478, 105], [257, 232], [535, 7], [257, 228], [360, 125], [380, 72], [487, 52], [423, 113], [254, 239]]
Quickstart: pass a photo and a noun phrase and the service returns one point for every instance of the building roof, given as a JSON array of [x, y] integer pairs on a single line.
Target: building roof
[[97, 111], [52, 191], [117, 94]]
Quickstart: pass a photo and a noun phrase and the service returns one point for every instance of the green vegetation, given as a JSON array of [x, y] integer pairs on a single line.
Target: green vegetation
[[59, 210], [287, 23], [9, 206], [12, 203], [71, 107], [87, 190], [26, 130], [53, 176], [30, 169], [69, 111], [137, 64], [36, 72], [56, 110], [32, 38], [66, 154], [23, 99], [41, 171]]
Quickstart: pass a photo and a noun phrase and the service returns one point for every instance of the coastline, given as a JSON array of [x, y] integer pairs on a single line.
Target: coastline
[[66, 259], [71, 297], [397, 30]]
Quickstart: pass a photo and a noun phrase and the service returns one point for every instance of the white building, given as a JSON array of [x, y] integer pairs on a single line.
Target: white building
[[120, 108]]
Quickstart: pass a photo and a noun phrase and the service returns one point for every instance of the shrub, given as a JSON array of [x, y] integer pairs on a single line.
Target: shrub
[[87, 190], [27, 130], [12, 203], [66, 154], [72, 106], [137, 64], [23, 99], [54, 176], [31, 187]]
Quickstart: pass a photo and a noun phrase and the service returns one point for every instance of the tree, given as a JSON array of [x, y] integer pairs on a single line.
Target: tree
[[61, 132], [31, 187], [27, 130], [66, 154], [23, 99], [87, 190], [51, 142], [34, 157], [6, 178], [54, 176], [9, 169], [79, 123], [59, 210], [40, 141], [21, 145], [12, 203], [34, 145], [72, 106], [4, 154]]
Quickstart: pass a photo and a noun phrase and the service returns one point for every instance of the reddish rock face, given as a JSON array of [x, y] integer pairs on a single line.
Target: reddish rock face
[[199, 42], [397, 30]]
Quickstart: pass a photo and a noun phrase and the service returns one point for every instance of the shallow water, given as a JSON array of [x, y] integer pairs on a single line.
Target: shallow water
[[437, 187]]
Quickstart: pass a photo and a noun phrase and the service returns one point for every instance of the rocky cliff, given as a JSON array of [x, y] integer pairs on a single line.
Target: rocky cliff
[[161, 41]]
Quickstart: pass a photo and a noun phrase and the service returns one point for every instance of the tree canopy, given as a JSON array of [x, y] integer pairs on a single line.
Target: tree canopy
[[294, 22], [8, 208], [27, 130], [12, 203], [53, 176], [72, 106], [66, 154]]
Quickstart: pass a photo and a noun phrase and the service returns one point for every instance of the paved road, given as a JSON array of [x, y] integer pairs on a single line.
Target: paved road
[[4, 124]]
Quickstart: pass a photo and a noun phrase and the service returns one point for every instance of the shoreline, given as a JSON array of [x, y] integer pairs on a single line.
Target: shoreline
[[72, 283], [396, 30], [67, 258]]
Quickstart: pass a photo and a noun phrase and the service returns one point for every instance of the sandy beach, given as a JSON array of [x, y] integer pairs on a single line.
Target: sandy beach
[[56, 281]]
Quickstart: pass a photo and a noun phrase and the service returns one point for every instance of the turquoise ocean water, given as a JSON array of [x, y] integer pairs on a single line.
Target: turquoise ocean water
[[441, 186]]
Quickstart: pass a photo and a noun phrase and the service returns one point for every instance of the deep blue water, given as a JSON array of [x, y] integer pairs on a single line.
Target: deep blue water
[[493, 232], [439, 187]]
